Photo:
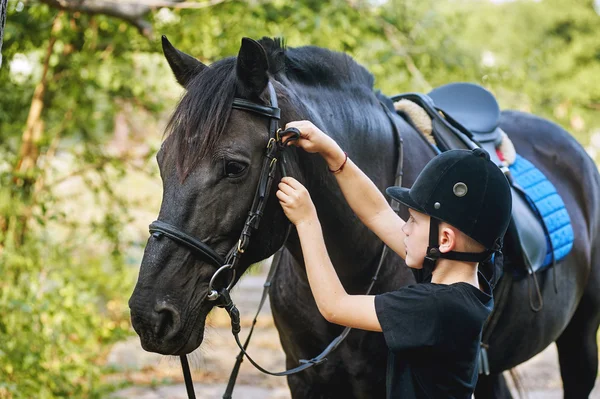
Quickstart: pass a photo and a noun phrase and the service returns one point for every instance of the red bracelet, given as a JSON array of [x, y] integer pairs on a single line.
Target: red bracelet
[[341, 167]]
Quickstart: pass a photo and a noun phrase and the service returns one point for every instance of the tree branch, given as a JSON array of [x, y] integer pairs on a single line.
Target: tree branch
[[133, 13], [184, 5], [101, 163], [391, 33], [594, 106]]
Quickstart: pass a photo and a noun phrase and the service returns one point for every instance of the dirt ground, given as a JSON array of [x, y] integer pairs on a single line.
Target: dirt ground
[[154, 376]]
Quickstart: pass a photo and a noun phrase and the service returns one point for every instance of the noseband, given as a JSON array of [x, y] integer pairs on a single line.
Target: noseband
[[274, 151]]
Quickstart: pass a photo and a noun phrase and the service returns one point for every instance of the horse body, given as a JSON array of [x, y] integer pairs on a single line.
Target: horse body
[[558, 158], [519, 333], [570, 316], [337, 95]]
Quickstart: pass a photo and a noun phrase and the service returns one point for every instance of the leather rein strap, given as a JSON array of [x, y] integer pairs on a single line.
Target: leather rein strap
[[275, 147]]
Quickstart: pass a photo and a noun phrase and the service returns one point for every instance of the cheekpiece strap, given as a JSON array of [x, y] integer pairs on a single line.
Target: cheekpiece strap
[[468, 256]]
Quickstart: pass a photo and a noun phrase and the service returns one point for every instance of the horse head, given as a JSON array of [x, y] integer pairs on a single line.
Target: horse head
[[210, 165]]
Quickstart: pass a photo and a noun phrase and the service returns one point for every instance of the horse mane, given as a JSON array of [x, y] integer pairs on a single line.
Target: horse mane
[[312, 65], [199, 120]]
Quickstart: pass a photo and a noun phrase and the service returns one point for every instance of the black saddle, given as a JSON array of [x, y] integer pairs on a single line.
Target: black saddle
[[473, 107], [466, 115]]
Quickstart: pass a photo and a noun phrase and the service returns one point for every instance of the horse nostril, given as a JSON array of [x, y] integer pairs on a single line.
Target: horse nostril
[[167, 321]]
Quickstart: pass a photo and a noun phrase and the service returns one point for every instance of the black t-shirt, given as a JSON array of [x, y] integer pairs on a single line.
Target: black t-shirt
[[433, 332]]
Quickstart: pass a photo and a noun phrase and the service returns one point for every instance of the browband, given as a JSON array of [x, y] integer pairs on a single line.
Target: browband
[[265, 110]]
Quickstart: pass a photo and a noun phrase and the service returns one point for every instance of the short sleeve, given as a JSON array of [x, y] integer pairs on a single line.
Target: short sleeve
[[409, 317]]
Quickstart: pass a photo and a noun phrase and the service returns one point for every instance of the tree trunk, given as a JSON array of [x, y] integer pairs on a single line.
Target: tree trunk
[[29, 152], [3, 12], [24, 171]]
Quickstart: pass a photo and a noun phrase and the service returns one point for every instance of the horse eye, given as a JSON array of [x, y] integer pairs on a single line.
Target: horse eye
[[234, 169]]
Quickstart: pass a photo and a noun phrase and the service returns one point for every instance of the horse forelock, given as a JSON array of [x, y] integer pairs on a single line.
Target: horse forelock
[[199, 119]]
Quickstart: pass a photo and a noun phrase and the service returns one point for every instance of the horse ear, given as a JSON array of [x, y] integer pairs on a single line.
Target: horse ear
[[184, 66], [252, 66]]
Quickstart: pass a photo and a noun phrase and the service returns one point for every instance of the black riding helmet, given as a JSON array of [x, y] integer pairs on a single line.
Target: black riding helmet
[[466, 190]]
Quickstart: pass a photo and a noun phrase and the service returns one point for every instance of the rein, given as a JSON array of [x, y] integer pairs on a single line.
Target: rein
[[274, 155]]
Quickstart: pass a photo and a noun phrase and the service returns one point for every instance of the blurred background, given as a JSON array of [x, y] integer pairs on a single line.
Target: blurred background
[[84, 97]]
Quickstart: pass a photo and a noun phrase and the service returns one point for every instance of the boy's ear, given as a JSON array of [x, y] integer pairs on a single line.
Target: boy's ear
[[448, 238]]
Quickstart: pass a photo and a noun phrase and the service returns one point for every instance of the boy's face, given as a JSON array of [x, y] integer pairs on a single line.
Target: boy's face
[[417, 238]]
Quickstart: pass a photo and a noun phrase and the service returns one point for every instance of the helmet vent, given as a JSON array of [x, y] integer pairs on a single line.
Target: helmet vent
[[460, 189]]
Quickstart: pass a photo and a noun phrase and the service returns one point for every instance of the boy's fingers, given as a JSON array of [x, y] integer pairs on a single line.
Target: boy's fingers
[[291, 124], [296, 124], [286, 188], [282, 196], [302, 127], [292, 182]]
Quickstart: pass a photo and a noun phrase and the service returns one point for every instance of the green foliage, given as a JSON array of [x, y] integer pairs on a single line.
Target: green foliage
[[64, 257], [65, 249], [546, 58], [57, 318]]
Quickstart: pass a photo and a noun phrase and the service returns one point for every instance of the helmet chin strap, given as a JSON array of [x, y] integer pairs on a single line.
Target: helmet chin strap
[[425, 274]]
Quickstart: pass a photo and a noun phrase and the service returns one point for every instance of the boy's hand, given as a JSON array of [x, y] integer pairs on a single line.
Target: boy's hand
[[295, 201], [312, 139]]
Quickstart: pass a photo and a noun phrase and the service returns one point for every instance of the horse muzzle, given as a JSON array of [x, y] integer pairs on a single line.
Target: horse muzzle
[[162, 327]]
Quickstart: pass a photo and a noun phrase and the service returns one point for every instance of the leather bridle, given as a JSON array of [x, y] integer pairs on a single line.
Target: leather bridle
[[274, 155], [275, 146]]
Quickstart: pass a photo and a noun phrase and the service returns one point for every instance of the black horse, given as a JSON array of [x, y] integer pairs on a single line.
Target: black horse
[[210, 163]]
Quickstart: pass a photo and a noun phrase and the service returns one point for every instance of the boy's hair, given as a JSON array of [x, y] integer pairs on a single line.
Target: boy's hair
[[468, 244]]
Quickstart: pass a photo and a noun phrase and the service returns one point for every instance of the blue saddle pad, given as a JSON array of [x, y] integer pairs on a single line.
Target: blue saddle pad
[[542, 195]]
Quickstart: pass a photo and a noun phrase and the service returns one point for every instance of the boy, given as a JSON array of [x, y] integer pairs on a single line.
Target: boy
[[460, 206]]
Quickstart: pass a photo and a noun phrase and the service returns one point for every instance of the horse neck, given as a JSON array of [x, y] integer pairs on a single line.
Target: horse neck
[[356, 121]]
